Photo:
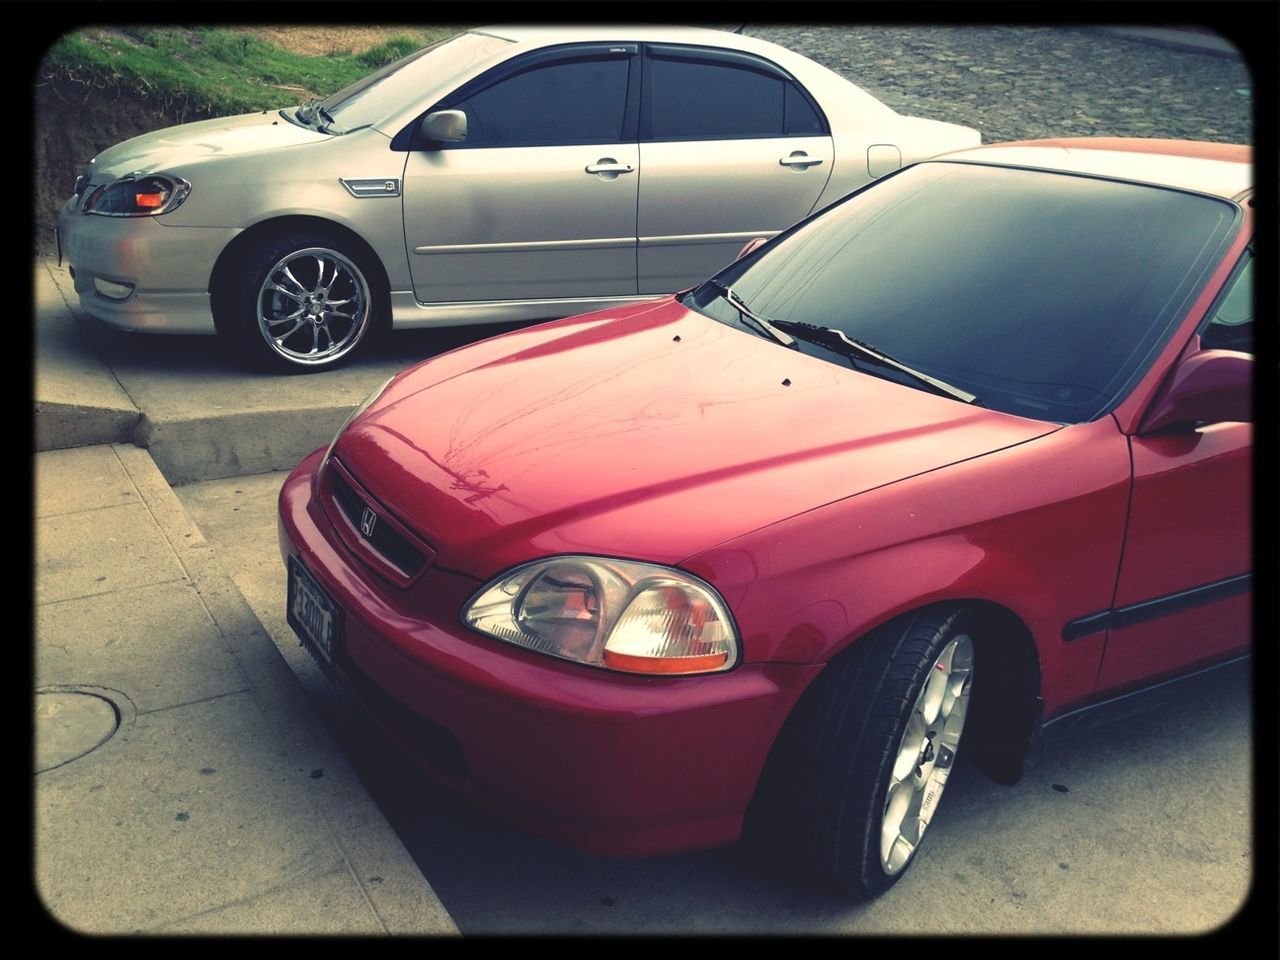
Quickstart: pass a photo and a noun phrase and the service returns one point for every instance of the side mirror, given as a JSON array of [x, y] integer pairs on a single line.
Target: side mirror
[[444, 126], [751, 246], [1210, 386]]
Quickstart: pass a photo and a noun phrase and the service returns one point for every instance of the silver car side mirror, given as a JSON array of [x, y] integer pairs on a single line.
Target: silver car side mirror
[[444, 126]]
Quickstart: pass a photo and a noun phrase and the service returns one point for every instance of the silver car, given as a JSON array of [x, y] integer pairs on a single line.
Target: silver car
[[507, 173]]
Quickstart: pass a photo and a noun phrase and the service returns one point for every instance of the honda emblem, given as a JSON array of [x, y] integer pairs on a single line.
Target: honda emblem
[[368, 520]]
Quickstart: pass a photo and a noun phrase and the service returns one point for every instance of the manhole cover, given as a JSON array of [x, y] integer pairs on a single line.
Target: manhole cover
[[69, 724]]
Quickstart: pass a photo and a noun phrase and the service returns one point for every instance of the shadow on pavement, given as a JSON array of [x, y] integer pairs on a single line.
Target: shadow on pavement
[[1079, 845]]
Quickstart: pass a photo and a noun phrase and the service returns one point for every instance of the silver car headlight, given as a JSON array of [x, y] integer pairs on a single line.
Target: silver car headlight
[[138, 196], [364, 405], [619, 614]]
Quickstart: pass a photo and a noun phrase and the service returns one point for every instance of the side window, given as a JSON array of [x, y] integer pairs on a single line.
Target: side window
[[1231, 326], [580, 101], [690, 99], [802, 119]]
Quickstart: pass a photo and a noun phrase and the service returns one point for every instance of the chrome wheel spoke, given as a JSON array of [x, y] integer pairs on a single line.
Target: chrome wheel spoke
[[285, 272], [286, 318], [272, 285], [281, 338], [926, 754], [321, 286]]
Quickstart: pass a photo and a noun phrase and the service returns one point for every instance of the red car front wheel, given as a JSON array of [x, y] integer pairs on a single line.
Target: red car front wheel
[[856, 775]]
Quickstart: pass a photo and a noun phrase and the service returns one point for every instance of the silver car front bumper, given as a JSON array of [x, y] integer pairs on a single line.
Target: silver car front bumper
[[168, 269]]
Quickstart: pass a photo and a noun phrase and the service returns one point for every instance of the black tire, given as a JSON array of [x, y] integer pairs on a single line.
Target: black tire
[[314, 257], [820, 807]]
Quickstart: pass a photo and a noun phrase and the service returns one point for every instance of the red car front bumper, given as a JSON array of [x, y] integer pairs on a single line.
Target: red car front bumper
[[604, 762]]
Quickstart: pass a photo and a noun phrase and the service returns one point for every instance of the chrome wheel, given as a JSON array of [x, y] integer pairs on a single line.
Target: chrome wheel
[[926, 754], [313, 306]]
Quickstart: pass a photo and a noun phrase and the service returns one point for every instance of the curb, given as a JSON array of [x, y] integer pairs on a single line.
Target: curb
[[63, 425], [236, 444]]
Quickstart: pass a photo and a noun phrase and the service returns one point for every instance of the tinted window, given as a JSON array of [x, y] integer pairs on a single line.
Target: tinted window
[[1231, 327], [801, 119], [583, 101], [709, 101], [1041, 293]]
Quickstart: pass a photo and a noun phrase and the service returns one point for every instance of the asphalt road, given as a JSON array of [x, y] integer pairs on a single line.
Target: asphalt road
[[1015, 83]]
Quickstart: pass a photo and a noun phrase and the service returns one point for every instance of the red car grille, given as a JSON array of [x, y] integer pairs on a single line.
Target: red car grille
[[370, 531]]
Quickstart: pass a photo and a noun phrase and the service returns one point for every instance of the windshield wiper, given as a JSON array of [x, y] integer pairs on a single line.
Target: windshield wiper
[[759, 322], [307, 112], [329, 125], [313, 114], [839, 341]]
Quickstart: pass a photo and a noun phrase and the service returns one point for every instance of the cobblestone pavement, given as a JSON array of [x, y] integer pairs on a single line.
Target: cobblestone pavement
[[1015, 83]]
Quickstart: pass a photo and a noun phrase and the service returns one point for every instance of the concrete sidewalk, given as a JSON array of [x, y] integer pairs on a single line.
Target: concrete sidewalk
[[183, 784]]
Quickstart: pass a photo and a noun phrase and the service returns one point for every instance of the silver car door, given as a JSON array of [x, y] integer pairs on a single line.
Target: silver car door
[[732, 148], [539, 200]]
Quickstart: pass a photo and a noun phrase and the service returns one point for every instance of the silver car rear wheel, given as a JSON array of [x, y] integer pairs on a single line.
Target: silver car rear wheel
[[313, 307]]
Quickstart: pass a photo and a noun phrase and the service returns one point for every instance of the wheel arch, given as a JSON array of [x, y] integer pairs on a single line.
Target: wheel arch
[[1005, 713], [231, 255]]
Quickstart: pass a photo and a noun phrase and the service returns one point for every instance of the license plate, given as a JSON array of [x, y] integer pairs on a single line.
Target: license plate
[[313, 616]]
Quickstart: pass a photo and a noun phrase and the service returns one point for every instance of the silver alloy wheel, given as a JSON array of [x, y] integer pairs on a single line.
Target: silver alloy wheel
[[926, 754], [313, 306]]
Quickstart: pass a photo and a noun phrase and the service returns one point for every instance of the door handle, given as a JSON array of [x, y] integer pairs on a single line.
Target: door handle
[[609, 166], [799, 159]]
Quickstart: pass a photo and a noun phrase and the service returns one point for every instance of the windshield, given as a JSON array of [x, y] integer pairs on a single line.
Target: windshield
[[399, 84], [1042, 293]]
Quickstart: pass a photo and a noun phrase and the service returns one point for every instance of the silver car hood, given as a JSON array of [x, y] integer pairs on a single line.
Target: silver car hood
[[192, 142]]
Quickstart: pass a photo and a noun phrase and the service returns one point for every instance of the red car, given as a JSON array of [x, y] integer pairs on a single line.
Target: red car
[[967, 452]]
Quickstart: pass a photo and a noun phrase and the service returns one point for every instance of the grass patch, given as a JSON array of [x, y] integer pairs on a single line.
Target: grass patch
[[212, 70], [389, 51]]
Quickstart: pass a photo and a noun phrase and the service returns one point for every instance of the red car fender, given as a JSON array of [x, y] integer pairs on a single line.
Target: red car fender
[[962, 533]]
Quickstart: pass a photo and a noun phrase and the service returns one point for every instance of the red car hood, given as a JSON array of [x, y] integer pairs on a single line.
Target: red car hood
[[650, 433]]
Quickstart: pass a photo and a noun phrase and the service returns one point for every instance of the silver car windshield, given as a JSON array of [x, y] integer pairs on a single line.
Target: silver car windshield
[[398, 84]]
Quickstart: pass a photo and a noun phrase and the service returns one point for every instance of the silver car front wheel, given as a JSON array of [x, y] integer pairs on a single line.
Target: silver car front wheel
[[313, 306]]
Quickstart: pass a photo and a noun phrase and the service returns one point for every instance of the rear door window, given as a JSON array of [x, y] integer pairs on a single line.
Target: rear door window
[[712, 96]]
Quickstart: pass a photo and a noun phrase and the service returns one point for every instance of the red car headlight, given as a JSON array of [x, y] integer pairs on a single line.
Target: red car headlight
[[618, 614]]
